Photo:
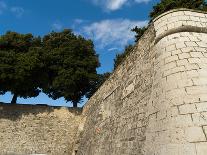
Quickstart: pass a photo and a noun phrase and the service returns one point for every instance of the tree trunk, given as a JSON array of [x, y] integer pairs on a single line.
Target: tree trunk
[[14, 99], [75, 104]]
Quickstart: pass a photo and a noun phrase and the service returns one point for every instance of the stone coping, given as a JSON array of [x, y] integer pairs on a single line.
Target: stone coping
[[177, 10], [11, 107], [185, 28]]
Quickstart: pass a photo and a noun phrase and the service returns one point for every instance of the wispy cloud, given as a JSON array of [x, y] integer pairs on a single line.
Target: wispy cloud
[[79, 21], [112, 5], [57, 26], [3, 7], [17, 11], [112, 34]]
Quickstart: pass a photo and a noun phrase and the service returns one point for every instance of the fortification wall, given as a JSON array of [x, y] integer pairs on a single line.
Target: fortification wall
[[155, 103], [26, 129], [116, 115]]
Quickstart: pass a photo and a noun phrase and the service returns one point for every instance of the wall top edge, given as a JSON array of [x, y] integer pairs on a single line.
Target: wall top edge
[[30, 106], [177, 10]]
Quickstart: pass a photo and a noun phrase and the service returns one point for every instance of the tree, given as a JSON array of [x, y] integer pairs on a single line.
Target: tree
[[166, 5], [71, 63], [121, 57], [21, 69], [96, 84], [139, 32]]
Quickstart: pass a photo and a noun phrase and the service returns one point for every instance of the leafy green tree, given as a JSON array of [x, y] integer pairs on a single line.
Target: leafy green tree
[[96, 84], [61, 65], [20, 65], [139, 32], [166, 5], [121, 57], [71, 63]]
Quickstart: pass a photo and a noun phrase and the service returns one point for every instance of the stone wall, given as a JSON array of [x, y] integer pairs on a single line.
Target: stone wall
[[26, 129], [116, 115], [155, 103]]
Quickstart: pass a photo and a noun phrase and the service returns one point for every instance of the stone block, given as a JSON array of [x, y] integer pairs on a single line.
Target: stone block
[[200, 119], [182, 62], [200, 81], [196, 54], [201, 148], [183, 56], [193, 90], [181, 121], [180, 45], [191, 44], [171, 58], [191, 67], [169, 65], [170, 48], [201, 107], [176, 52], [203, 60], [191, 74], [187, 109], [174, 70], [195, 134], [202, 44], [187, 49], [184, 83], [194, 60], [194, 18]]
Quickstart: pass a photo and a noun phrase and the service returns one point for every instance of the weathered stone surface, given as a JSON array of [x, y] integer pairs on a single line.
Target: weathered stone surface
[[28, 129], [155, 102]]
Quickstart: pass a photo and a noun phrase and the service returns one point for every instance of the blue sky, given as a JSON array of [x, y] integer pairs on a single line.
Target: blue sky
[[106, 22]]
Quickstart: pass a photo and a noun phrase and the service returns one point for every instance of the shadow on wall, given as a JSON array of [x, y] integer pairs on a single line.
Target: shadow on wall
[[16, 111]]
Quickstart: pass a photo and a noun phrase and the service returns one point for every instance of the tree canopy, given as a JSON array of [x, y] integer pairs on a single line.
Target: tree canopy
[[158, 9], [166, 5], [60, 64], [121, 57], [96, 84], [71, 62], [20, 66]]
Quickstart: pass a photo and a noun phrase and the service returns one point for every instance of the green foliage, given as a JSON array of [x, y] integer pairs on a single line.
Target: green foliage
[[166, 5], [96, 84], [120, 57], [61, 65], [20, 67], [71, 62], [139, 32]]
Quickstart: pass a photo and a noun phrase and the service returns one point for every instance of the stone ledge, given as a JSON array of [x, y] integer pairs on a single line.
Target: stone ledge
[[185, 28], [177, 10]]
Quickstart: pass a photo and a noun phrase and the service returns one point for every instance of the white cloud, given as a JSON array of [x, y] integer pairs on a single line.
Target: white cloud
[[112, 49], [18, 11], [115, 4], [79, 21], [3, 7], [112, 5], [112, 34], [142, 1], [57, 26]]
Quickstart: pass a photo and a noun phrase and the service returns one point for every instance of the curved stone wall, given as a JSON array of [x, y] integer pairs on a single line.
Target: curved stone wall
[[155, 103], [175, 19]]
